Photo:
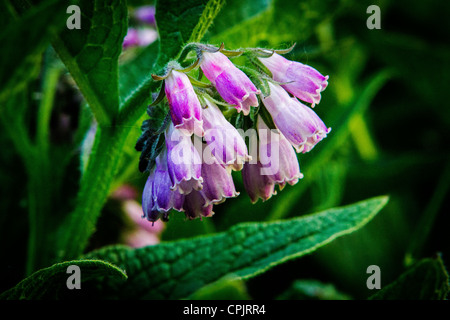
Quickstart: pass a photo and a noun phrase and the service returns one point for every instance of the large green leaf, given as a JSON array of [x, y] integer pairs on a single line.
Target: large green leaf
[[426, 280], [174, 270], [91, 54], [23, 41], [51, 282], [269, 22]]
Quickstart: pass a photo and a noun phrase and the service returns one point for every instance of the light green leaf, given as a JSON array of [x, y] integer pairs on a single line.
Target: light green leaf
[[51, 282], [175, 270], [91, 54], [236, 12], [182, 22], [426, 280]]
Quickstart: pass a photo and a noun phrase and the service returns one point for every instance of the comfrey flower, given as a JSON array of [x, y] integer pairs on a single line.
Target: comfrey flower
[[298, 123], [277, 164], [158, 197], [185, 108], [191, 154], [224, 141], [218, 183], [301, 80], [256, 184], [232, 84], [281, 166], [183, 161], [195, 206]]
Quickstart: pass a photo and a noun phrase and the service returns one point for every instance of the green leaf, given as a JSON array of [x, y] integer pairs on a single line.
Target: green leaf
[[253, 23], [91, 54], [21, 59], [312, 290], [151, 141], [51, 282], [236, 12], [426, 280], [175, 270], [182, 22]]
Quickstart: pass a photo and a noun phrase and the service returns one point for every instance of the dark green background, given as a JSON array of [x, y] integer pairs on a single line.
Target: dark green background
[[405, 154]]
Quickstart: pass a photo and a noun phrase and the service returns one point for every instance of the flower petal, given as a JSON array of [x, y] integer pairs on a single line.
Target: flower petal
[[185, 108], [183, 161]]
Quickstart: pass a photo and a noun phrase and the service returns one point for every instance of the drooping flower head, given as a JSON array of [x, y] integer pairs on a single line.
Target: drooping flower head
[[202, 147], [301, 80], [299, 124], [185, 108], [224, 141], [232, 84], [158, 198]]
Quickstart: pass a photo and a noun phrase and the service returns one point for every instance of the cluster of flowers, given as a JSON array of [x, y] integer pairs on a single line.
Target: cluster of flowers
[[192, 177]]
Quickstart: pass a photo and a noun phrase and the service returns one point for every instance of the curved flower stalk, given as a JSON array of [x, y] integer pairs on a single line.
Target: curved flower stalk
[[232, 84], [224, 141], [301, 80], [298, 123], [185, 108], [183, 161]]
